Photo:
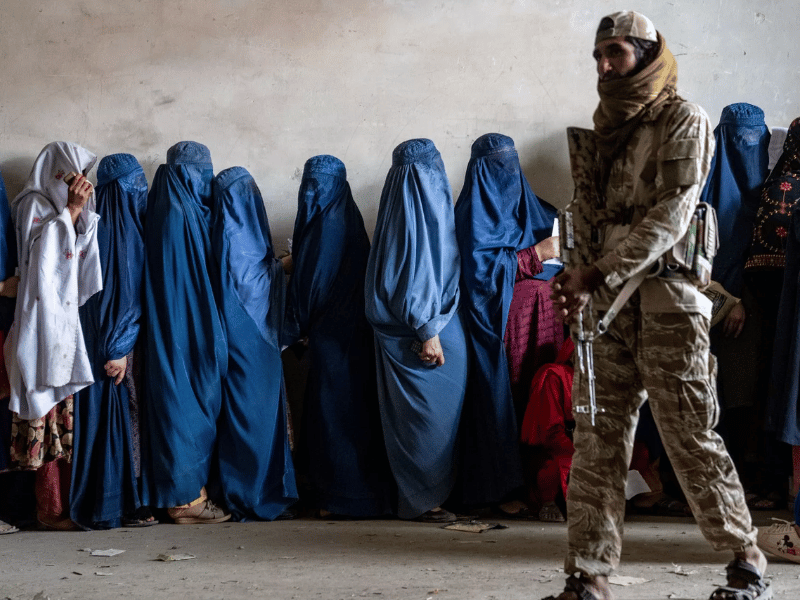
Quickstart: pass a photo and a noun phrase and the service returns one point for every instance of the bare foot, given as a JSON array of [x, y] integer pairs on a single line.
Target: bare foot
[[755, 557]]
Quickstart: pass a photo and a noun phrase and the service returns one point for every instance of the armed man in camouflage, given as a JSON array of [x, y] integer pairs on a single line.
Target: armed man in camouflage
[[653, 152]]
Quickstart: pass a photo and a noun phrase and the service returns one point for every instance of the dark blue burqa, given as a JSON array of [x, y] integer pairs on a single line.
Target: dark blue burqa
[[496, 215], [186, 350], [255, 464], [8, 262], [738, 169], [341, 447], [412, 295], [103, 485]]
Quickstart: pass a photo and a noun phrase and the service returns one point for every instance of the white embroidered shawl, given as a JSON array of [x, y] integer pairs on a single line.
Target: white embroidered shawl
[[59, 269]]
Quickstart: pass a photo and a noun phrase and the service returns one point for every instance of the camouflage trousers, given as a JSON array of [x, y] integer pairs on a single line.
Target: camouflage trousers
[[663, 357]]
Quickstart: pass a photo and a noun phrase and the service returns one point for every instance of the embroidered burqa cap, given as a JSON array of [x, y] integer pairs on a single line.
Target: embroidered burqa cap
[[626, 23]]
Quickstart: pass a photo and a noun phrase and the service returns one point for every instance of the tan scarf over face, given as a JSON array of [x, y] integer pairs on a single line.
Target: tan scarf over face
[[625, 102]]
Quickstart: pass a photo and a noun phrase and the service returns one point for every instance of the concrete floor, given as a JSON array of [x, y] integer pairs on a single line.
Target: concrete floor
[[337, 560]]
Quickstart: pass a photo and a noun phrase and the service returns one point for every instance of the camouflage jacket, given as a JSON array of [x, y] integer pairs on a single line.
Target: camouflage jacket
[[652, 191]]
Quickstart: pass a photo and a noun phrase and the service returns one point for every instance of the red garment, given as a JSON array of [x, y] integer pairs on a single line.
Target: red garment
[[545, 425], [52, 491], [534, 331]]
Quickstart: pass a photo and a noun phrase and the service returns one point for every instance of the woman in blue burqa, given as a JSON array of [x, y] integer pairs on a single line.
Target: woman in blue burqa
[[497, 215], [255, 464], [186, 352], [103, 478], [738, 170], [412, 299], [341, 447]]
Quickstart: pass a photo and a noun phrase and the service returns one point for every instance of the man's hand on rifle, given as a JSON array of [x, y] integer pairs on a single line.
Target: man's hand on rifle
[[573, 289]]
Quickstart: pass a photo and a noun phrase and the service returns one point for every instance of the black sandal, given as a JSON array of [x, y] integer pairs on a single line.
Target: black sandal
[[741, 571], [578, 587]]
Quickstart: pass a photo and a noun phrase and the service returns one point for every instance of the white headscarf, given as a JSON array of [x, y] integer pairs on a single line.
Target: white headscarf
[[59, 269]]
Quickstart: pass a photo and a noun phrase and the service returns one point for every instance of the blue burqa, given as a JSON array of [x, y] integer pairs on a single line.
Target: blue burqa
[[8, 262], [255, 464], [341, 446], [412, 295], [496, 216], [186, 350], [103, 485], [738, 169]]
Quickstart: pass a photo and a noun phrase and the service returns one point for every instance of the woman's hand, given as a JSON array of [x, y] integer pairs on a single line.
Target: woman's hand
[[733, 323], [548, 248], [573, 289], [432, 353], [116, 369], [288, 264], [9, 287], [78, 194]]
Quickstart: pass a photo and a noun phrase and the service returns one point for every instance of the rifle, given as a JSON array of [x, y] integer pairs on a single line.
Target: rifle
[[581, 246]]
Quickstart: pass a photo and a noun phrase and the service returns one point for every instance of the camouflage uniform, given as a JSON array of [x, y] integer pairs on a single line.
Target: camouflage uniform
[[657, 347]]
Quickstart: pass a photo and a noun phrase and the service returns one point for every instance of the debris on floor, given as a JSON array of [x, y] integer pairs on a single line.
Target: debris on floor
[[109, 552], [678, 570], [173, 557], [474, 526], [623, 580]]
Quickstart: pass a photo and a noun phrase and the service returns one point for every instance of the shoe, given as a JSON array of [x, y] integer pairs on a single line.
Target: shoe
[[780, 539], [288, 514], [59, 525], [751, 583], [141, 517], [772, 501], [206, 513], [550, 513], [523, 513], [6, 528], [436, 515], [664, 507], [578, 586]]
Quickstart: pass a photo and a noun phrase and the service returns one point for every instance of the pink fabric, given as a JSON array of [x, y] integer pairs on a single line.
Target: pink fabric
[[534, 331]]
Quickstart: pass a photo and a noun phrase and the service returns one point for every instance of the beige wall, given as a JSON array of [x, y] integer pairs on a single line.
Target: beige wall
[[266, 84]]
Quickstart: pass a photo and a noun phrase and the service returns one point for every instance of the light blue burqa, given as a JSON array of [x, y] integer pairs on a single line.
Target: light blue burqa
[[412, 295]]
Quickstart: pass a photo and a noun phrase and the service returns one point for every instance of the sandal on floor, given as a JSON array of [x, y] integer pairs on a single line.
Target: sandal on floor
[[771, 501], [61, 525], [743, 572], [7, 528], [523, 513], [665, 507], [210, 513], [141, 517], [578, 587], [436, 515], [550, 513], [288, 514]]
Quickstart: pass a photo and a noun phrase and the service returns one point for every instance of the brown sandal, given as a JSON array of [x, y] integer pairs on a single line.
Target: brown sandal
[[205, 513]]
